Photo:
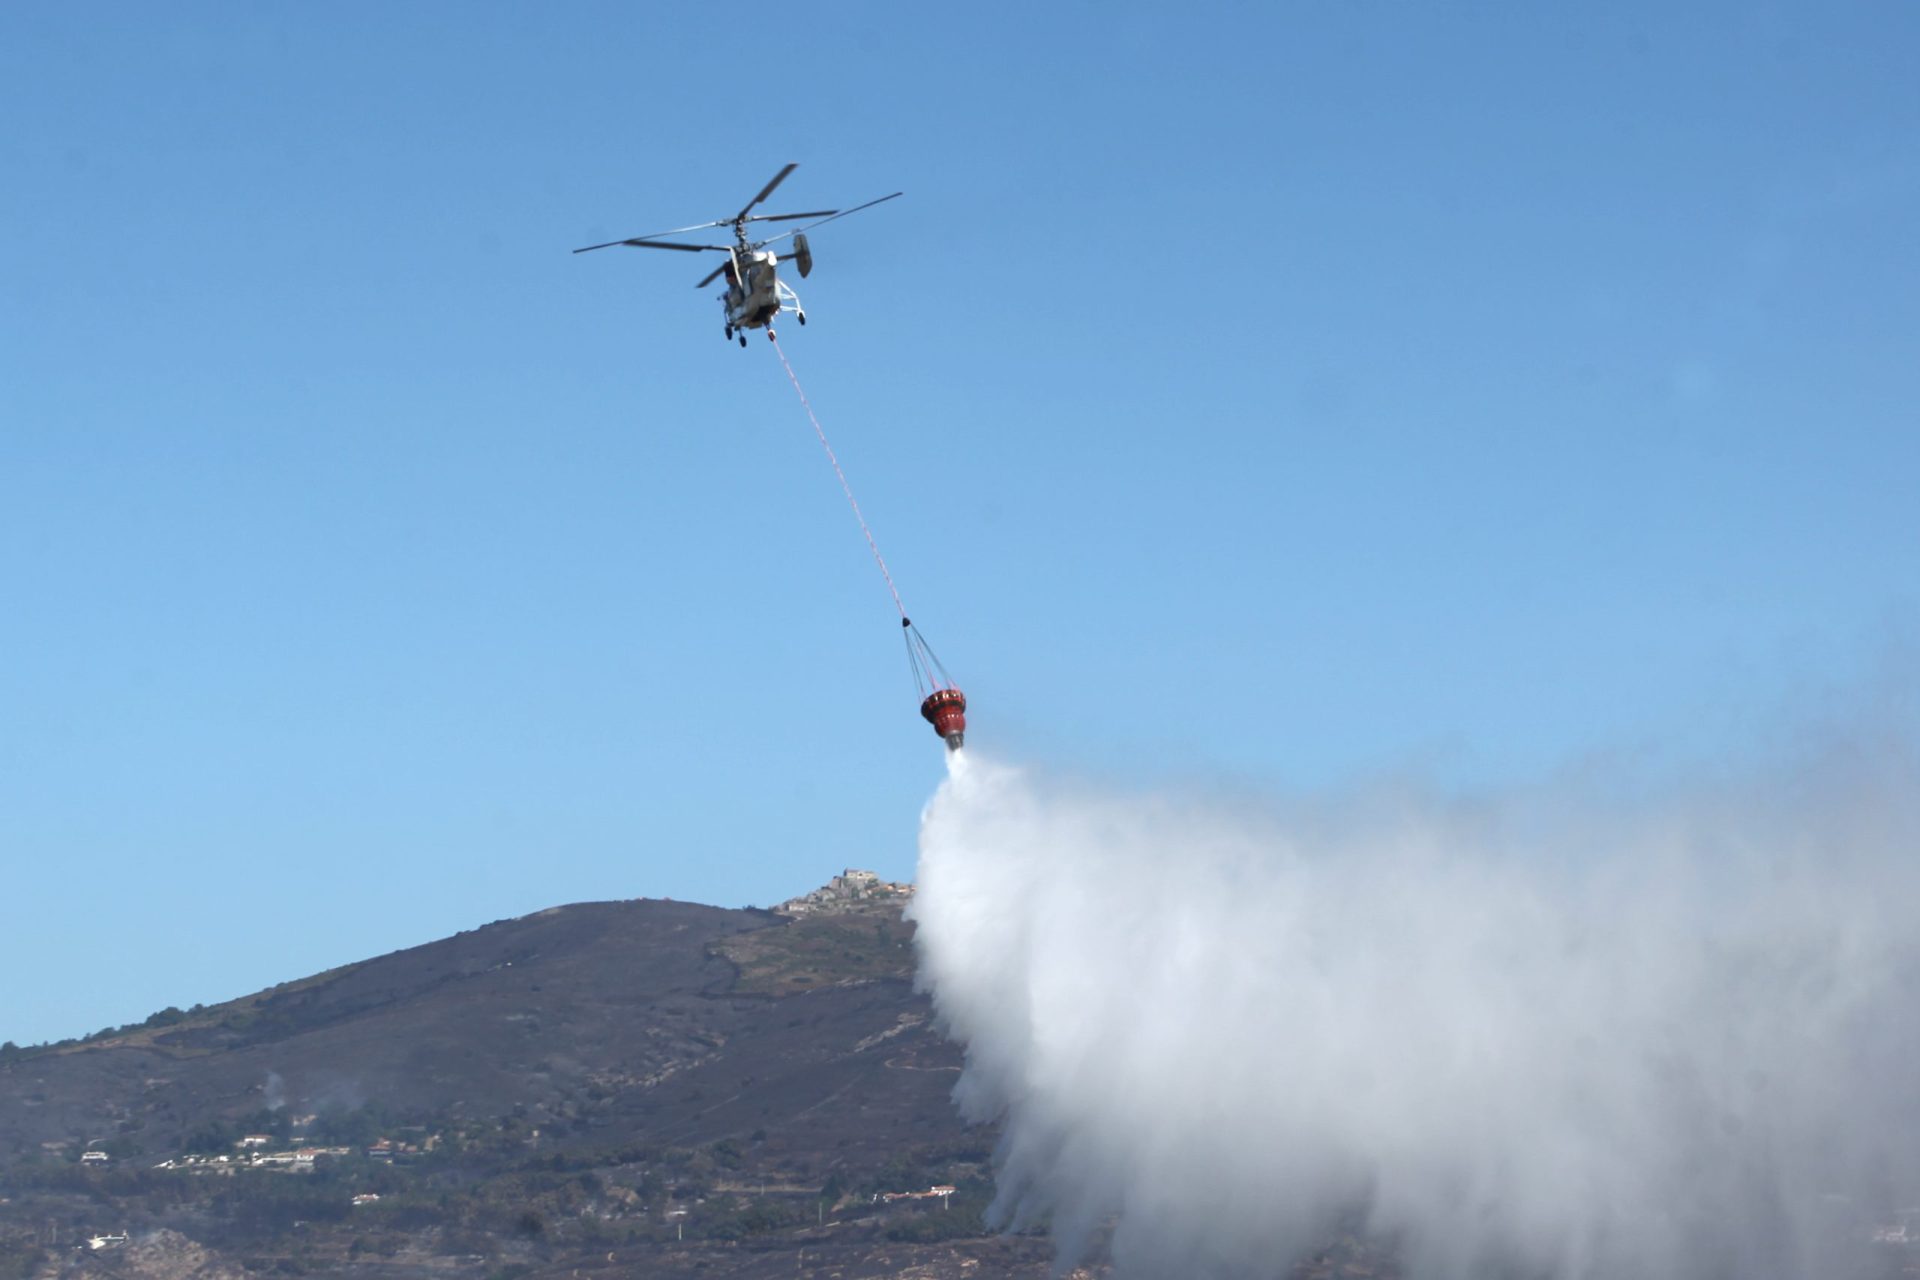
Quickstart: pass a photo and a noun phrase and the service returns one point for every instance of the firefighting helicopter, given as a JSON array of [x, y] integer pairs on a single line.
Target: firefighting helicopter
[[755, 294]]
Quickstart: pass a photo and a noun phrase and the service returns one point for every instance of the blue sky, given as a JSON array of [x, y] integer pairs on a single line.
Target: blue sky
[[1285, 393]]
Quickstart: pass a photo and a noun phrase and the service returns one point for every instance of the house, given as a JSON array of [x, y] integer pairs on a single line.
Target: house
[[254, 1140], [94, 1157], [367, 1197], [931, 1193]]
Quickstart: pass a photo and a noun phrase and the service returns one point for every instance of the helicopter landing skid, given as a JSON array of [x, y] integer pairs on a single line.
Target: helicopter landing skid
[[789, 300]]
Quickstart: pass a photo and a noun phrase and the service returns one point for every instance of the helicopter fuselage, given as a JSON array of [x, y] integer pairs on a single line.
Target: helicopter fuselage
[[754, 300]]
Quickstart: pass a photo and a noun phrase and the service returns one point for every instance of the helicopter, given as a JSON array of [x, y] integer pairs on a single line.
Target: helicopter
[[755, 294]]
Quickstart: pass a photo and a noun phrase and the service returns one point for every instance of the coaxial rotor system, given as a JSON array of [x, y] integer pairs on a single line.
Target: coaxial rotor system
[[739, 221]]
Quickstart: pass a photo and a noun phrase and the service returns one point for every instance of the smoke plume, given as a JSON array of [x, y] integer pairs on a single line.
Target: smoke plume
[[1558, 1034]]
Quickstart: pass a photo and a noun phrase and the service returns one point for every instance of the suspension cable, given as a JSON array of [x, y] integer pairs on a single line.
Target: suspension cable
[[846, 489]]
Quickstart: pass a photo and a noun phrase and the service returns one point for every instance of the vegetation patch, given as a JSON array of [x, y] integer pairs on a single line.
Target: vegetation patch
[[829, 949]]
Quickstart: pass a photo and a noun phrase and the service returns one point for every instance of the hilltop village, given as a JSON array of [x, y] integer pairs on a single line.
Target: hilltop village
[[851, 888]]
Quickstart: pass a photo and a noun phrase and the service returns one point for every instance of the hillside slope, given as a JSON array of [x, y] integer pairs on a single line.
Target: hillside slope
[[715, 1089]]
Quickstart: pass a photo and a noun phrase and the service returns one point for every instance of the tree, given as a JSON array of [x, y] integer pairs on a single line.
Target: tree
[[212, 1138]]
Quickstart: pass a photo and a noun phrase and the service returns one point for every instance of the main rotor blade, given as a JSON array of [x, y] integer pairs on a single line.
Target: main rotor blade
[[843, 213], [767, 190], [711, 276], [783, 217], [654, 235], [642, 242], [668, 244], [680, 231]]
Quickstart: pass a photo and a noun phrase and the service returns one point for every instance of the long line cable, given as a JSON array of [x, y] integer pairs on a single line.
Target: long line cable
[[844, 486], [928, 673]]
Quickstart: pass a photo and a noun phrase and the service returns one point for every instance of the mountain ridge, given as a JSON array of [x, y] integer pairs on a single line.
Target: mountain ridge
[[721, 1090]]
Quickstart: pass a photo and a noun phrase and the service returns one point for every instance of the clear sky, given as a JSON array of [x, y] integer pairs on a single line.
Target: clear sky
[[1280, 393]]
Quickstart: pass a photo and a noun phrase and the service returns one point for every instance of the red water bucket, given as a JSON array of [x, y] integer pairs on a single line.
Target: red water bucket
[[946, 711]]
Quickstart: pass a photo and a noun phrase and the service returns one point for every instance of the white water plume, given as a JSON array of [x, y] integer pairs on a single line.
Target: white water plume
[[1538, 1036]]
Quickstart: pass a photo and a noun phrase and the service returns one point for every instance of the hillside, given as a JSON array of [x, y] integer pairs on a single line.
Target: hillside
[[592, 1088]]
